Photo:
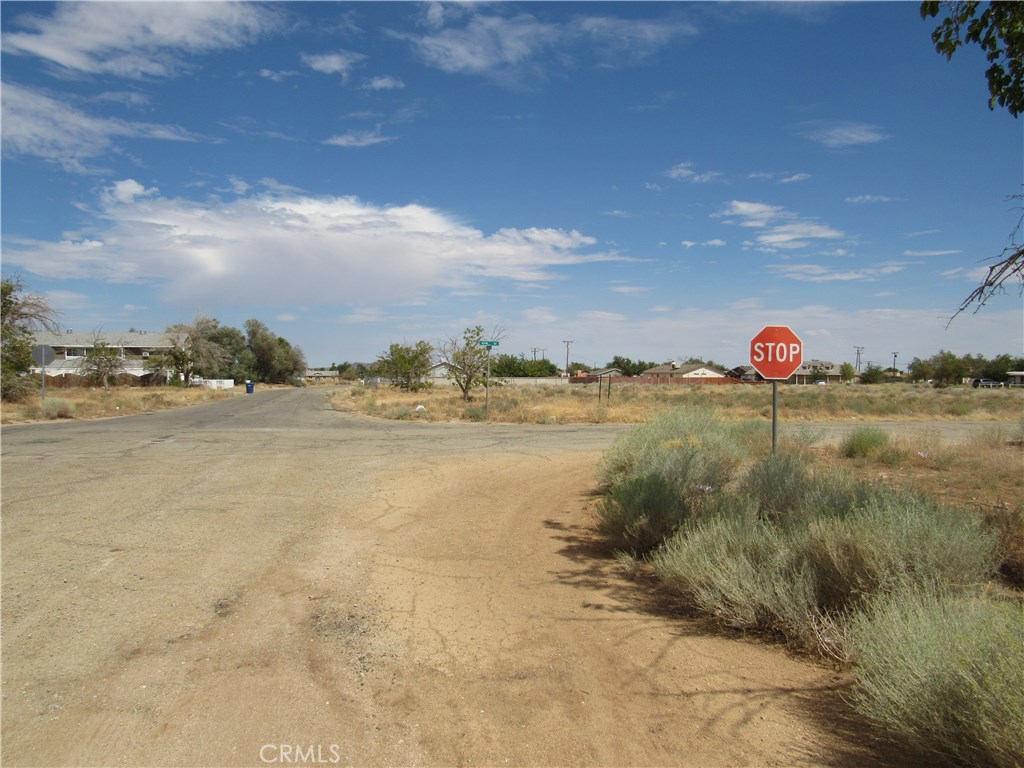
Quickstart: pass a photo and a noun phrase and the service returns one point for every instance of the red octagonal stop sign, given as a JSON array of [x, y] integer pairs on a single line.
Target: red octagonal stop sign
[[776, 352]]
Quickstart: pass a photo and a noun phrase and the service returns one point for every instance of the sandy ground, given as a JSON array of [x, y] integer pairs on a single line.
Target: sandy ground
[[273, 583]]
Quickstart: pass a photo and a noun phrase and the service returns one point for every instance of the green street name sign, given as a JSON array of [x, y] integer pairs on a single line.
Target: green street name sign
[[488, 343]]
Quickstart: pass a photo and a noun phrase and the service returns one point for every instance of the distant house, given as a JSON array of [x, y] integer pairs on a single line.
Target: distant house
[[690, 372], [135, 347], [1015, 378], [744, 373], [816, 370]]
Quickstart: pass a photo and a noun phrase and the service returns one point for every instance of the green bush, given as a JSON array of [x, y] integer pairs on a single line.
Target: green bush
[[945, 673], [640, 513], [863, 442]]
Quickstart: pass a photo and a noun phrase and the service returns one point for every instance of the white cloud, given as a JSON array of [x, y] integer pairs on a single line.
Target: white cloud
[[125, 192], [931, 253], [281, 249], [626, 41], [277, 76], [796, 177], [40, 126], [862, 199], [685, 172], [383, 83], [486, 45], [816, 273], [286, 317], [359, 139], [136, 40], [779, 228], [629, 290], [337, 63], [840, 135], [714, 243]]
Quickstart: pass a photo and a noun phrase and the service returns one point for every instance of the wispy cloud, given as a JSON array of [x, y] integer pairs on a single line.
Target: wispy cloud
[[713, 243], [461, 40], [866, 199], [817, 273], [38, 125], [684, 172], [629, 290], [780, 229], [359, 139], [136, 40], [947, 252], [840, 135]]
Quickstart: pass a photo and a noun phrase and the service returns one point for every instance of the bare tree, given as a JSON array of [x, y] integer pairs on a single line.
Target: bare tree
[[466, 358], [1008, 268]]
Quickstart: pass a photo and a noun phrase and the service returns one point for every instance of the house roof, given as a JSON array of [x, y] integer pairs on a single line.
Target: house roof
[[673, 369], [134, 339]]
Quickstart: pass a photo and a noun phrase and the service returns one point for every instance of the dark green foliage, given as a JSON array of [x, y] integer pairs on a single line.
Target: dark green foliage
[[406, 365], [20, 315]]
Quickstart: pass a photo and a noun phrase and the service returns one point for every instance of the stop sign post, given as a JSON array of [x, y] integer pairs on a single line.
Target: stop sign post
[[43, 355], [776, 353]]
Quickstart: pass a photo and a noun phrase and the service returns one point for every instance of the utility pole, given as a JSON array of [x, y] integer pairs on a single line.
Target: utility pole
[[894, 371], [567, 343], [859, 350], [534, 350]]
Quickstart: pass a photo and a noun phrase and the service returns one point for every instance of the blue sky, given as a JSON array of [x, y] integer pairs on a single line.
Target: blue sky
[[656, 180]]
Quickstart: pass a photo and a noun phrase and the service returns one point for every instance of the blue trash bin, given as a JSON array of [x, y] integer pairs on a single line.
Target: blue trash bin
[[250, 387]]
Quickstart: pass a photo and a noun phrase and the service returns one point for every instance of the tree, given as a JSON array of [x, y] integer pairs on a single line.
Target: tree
[[275, 360], [873, 374], [21, 314], [847, 372], [999, 30], [101, 364], [406, 365], [628, 367], [466, 360]]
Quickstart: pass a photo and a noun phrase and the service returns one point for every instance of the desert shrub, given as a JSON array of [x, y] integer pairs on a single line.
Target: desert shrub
[[945, 673], [863, 442], [640, 513], [780, 483], [688, 447], [58, 408], [841, 543], [740, 570]]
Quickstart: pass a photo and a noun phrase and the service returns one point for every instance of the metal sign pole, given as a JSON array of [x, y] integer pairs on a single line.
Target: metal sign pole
[[487, 389], [775, 413]]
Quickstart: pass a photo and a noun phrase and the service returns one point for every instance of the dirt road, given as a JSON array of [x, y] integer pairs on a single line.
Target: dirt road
[[264, 581]]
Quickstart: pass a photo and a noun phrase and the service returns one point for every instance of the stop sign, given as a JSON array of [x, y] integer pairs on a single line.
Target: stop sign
[[776, 352]]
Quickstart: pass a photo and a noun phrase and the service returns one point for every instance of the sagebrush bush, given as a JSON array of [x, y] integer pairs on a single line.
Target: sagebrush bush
[[945, 673], [863, 442], [781, 572], [640, 513], [58, 408], [689, 447]]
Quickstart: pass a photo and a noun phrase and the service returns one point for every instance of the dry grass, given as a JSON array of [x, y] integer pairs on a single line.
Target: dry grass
[[96, 403], [639, 403]]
